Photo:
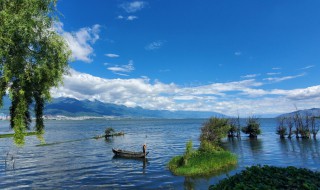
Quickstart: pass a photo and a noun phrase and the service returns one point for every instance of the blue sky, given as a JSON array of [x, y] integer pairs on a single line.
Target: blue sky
[[234, 57]]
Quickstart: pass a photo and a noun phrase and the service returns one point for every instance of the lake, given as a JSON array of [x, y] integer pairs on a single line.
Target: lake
[[84, 163]]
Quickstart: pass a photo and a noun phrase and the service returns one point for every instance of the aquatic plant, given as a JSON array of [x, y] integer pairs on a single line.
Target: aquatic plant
[[202, 163], [281, 129], [235, 127], [210, 158], [271, 177], [214, 130], [109, 131], [252, 128]]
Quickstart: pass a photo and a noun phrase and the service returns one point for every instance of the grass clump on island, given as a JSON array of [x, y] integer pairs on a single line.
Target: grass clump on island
[[210, 158], [201, 162], [271, 177]]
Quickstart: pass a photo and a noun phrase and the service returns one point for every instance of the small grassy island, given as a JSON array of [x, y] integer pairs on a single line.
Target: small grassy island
[[210, 158], [202, 162], [271, 177]]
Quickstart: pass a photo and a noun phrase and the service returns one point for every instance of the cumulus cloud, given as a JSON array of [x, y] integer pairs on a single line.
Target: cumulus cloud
[[131, 7], [81, 41], [112, 55], [155, 45], [245, 97]]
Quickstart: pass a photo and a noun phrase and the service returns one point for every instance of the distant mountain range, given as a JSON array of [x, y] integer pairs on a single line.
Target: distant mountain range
[[70, 107], [313, 112]]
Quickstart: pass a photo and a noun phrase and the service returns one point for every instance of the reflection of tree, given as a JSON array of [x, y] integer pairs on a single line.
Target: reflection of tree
[[255, 145], [303, 149], [188, 183]]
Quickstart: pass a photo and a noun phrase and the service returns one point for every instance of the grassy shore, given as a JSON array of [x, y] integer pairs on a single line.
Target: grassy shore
[[203, 163]]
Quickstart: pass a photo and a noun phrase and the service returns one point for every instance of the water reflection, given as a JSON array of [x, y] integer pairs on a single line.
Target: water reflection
[[244, 146], [76, 160], [302, 149], [132, 161], [255, 146]]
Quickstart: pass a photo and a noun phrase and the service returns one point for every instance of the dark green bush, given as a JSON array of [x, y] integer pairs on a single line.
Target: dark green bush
[[271, 177], [252, 128]]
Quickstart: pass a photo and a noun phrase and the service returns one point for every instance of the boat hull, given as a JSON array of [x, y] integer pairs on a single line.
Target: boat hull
[[129, 154]]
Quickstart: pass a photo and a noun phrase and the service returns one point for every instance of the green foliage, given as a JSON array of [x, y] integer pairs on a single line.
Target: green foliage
[[252, 128], [235, 127], [203, 163], [270, 177], [210, 158], [206, 146], [214, 130], [188, 153], [33, 58]]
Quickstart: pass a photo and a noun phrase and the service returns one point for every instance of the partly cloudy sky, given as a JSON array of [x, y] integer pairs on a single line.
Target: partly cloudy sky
[[247, 58]]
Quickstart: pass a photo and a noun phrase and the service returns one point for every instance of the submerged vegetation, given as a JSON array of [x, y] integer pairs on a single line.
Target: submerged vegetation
[[252, 127], [210, 158], [302, 126], [270, 177]]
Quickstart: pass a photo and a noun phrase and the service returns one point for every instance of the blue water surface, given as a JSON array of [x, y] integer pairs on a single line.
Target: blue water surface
[[77, 161]]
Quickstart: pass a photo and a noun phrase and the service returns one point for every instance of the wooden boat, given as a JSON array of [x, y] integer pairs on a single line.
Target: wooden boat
[[128, 154]]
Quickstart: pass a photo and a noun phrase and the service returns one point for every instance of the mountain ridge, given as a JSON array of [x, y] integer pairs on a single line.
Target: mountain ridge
[[71, 107]]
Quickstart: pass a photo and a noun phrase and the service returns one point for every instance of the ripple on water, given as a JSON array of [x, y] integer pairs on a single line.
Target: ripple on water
[[89, 163]]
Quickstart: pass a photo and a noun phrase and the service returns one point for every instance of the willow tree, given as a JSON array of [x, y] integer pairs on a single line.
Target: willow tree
[[33, 59]]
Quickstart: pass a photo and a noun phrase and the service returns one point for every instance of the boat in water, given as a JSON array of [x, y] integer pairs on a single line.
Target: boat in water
[[129, 154]]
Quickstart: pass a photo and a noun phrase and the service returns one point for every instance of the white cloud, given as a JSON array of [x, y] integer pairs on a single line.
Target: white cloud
[[155, 45], [279, 79], [307, 67], [132, 17], [129, 18], [120, 17], [250, 76], [245, 97], [276, 68], [81, 41], [122, 69], [131, 7], [112, 55], [237, 53], [274, 73]]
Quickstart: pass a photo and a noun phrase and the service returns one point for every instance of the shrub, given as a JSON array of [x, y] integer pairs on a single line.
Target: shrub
[[187, 153], [252, 128], [281, 129], [214, 130], [270, 177], [234, 130]]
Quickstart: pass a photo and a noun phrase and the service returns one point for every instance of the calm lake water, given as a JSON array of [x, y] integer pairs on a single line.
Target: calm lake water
[[89, 163]]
